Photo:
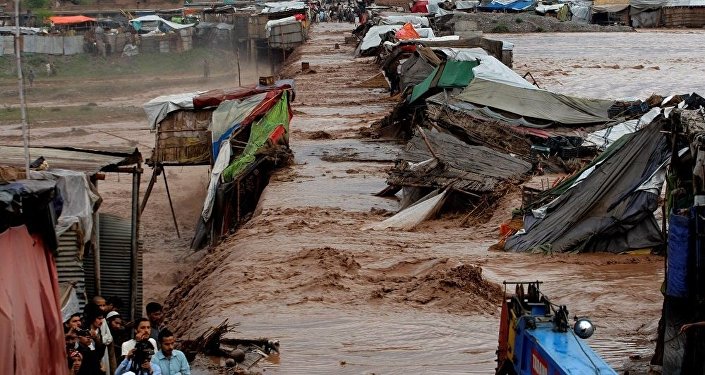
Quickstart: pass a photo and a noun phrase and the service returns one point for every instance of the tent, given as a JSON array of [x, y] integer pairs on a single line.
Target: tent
[[609, 206], [450, 74], [30, 313]]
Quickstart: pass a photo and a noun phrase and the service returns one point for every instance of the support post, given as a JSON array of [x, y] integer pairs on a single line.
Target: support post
[[134, 232], [155, 173], [20, 83], [173, 215]]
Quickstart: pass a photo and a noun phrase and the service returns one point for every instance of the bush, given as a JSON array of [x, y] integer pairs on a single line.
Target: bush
[[518, 20], [501, 28], [540, 29]]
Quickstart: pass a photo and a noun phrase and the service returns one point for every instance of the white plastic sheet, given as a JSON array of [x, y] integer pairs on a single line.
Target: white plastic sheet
[[159, 107], [221, 162], [412, 216]]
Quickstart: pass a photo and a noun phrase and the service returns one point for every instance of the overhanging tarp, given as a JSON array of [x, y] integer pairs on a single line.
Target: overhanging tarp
[[610, 210], [158, 108], [155, 18], [69, 20], [402, 19], [536, 103], [277, 117], [450, 74], [229, 115]]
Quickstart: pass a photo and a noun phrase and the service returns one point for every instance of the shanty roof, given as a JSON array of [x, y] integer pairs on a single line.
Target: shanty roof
[[83, 160], [68, 20]]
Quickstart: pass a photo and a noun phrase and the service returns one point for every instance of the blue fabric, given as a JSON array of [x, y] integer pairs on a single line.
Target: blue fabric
[[515, 6], [679, 239], [176, 364]]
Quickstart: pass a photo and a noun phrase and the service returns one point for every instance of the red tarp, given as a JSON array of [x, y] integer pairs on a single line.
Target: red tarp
[[213, 98], [30, 315], [67, 20], [420, 6], [407, 32]]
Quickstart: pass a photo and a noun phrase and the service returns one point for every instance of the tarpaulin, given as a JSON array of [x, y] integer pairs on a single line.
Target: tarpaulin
[[500, 5], [536, 103], [450, 74], [30, 315], [403, 19], [608, 210], [230, 115], [155, 18], [278, 115], [68, 20], [158, 108], [213, 98], [407, 32]]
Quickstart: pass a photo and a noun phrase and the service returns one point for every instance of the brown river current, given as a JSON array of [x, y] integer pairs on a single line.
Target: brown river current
[[343, 300]]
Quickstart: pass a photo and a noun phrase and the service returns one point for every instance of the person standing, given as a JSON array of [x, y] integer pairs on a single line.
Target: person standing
[[90, 364], [30, 77], [106, 336], [155, 314], [170, 360], [142, 330]]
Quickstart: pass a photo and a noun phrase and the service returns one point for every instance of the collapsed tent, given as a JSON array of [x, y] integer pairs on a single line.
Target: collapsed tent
[[609, 206]]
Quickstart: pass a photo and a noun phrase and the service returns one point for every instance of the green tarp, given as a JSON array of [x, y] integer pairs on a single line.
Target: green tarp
[[452, 74], [259, 134]]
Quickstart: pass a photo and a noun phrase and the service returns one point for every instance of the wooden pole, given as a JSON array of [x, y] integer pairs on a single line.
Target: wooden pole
[[20, 83], [134, 232], [171, 205], [428, 144]]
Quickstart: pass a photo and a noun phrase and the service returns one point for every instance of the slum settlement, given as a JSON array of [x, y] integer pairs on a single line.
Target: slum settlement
[[626, 176]]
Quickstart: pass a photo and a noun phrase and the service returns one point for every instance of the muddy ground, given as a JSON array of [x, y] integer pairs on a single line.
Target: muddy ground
[[344, 300]]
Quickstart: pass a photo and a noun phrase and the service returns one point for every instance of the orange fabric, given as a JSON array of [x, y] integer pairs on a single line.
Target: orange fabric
[[407, 32], [30, 315], [67, 20]]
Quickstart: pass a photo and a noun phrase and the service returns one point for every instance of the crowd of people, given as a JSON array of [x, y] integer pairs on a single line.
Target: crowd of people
[[100, 342], [353, 12]]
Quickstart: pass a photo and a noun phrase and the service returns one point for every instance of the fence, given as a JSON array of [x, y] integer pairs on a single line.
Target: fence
[[52, 45]]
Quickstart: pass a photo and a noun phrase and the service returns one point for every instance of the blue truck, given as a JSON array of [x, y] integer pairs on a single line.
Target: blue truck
[[535, 337]]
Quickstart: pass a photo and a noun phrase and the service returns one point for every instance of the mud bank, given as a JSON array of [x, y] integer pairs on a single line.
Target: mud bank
[[344, 300]]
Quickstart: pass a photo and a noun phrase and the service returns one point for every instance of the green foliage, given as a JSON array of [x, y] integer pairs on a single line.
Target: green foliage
[[518, 20], [501, 28], [35, 4], [540, 29]]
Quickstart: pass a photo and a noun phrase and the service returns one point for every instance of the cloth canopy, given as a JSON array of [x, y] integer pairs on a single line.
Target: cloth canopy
[[158, 108], [155, 18], [68, 20]]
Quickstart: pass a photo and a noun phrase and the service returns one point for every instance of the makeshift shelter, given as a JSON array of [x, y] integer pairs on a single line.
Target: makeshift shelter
[[85, 242], [608, 207], [608, 12], [30, 314], [154, 24], [667, 13], [70, 20]]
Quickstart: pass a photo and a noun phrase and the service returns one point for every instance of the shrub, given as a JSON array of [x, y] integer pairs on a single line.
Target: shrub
[[501, 28]]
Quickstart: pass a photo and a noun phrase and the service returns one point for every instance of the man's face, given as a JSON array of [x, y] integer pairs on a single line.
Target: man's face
[[143, 331], [85, 340], [168, 345], [116, 324], [75, 322], [156, 317], [98, 321], [101, 304]]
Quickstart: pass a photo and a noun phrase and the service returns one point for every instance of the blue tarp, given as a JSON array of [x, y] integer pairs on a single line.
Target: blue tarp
[[515, 6]]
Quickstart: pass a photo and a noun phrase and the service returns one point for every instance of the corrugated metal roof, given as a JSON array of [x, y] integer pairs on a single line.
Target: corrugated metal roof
[[84, 160]]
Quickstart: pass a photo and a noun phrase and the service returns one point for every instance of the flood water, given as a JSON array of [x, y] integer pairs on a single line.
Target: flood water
[[331, 325]]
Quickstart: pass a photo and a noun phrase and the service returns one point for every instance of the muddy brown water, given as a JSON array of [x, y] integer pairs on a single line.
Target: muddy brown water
[[329, 317]]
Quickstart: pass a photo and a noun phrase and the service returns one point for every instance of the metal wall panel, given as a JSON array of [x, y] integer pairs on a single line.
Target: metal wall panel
[[69, 264], [115, 262]]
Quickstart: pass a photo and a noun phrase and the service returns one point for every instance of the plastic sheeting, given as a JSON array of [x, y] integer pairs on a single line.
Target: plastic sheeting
[[228, 115], [281, 21], [607, 211], [604, 137], [372, 38], [283, 6], [155, 18], [278, 116], [221, 162], [30, 314], [510, 5], [401, 20], [490, 68], [158, 108], [679, 240], [410, 217], [536, 103], [407, 32], [78, 196]]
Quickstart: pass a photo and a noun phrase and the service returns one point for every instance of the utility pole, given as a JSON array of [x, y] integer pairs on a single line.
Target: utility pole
[[20, 82]]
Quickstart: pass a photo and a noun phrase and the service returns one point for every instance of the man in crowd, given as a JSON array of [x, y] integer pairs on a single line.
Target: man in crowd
[[170, 360], [105, 334], [156, 319], [142, 330], [90, 365]]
